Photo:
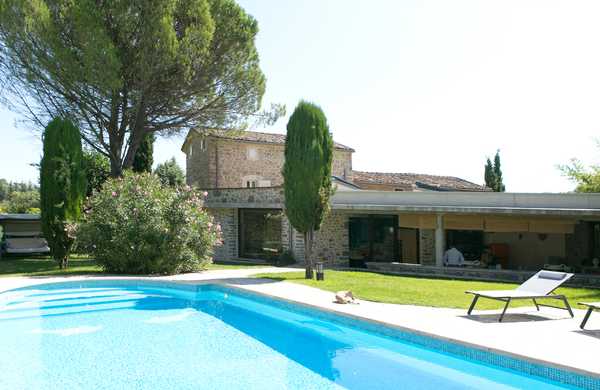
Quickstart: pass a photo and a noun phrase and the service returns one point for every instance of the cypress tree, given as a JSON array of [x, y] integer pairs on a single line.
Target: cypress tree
[[62, 186], [143, 160], [489, 175], [307, 173], [498, 173]]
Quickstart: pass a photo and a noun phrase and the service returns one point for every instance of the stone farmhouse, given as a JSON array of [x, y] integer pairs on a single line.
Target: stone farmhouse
[[399, 222]]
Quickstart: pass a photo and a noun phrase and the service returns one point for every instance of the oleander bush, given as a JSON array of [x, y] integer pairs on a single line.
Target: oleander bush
[[136, 225]]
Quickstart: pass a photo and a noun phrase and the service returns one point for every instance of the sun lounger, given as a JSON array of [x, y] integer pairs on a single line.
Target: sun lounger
[[591, 306], [25, 245], [539, 286]]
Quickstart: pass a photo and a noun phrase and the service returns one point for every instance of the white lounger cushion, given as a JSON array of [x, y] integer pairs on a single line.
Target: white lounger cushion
[[26, 245], [507, 294], [544, 282], [43, 249]]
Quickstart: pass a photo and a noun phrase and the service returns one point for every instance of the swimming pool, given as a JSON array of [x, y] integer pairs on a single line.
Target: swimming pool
[[154, 335]]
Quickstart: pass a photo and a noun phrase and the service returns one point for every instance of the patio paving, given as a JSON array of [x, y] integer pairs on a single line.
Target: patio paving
[[549, 336]]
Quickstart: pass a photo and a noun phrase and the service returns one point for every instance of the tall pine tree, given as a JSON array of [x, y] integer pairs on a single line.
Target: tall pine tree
[[62, 186]]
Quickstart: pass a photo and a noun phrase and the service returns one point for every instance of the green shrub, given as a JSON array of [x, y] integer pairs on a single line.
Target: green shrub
[[135, 225], [170, 173], [97, 170], [23, 202], [285, 258]]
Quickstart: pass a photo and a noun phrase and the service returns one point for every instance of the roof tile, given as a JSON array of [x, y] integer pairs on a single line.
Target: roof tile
[[267, 138], [416, 181]]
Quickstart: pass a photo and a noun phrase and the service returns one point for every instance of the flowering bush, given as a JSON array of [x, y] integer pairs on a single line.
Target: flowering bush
[[136, 225]]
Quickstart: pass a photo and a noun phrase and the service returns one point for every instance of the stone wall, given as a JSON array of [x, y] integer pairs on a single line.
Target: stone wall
[[240, 160], [331, 241], [228, 219], [579, 280], [427, 246], [229, 164], [198, 167], [263, 197]]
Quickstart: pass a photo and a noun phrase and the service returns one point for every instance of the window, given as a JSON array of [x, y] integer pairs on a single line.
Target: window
[[251, 184], [373, 238], [191, 150], [202, 144], [252, 154], [469, 242]]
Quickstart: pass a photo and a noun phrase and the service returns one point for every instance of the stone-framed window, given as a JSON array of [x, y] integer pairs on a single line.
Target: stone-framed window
[[253, 181], [252, 153]]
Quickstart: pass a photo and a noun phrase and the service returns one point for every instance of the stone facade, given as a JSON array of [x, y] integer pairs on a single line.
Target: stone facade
[[223, 163], [427, 246], [228, 219], [199, 163], [332, 241], [267, 197]]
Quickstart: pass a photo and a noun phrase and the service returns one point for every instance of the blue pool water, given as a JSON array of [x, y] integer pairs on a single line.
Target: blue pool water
[[124, 335]]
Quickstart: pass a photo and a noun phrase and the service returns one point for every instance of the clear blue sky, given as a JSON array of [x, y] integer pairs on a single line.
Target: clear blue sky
[[424, 86]]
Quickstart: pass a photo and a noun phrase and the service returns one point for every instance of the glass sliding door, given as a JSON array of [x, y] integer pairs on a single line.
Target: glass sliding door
[[408, 245], [260, 233], [360, 243], [373, 238], [384, 243]]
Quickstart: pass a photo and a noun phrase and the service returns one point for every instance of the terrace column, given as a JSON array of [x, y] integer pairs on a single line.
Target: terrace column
[[440, 241]]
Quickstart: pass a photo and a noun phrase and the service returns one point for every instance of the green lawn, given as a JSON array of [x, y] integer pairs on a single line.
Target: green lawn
[[78, 265], [44, 266], [419, 291]]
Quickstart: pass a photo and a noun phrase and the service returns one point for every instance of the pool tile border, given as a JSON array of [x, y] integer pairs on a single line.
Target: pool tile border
[[430, 341]]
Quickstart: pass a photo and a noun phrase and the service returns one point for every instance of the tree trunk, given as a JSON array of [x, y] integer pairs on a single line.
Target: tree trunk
[[64, 263], [136, 135], [115, 168], [308, 236]]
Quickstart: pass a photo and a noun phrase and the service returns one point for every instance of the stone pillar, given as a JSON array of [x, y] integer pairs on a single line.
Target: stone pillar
[[440, 241]]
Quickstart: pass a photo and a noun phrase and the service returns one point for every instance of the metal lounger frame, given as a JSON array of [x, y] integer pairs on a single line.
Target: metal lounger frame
[[588, 313], [507, 301]]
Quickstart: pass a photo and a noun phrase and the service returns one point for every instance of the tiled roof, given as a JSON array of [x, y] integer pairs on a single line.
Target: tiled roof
[[416, 181], [267, 138]]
